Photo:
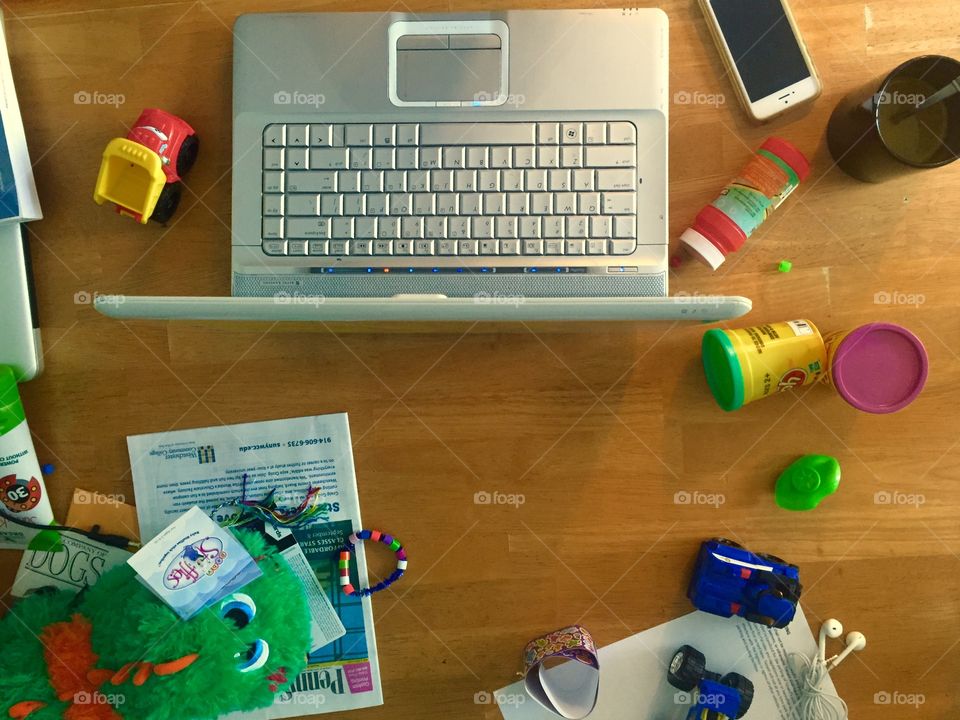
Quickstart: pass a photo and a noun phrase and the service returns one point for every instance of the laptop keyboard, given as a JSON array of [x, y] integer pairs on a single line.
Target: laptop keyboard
[[450, 189]]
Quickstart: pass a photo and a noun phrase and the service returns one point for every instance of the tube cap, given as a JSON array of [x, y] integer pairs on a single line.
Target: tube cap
[[11, 408], [790, 154], [880, 368], [722, 368], [702, 249]]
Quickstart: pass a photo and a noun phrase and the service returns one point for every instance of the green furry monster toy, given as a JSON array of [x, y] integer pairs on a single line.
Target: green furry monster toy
[[117, 652]]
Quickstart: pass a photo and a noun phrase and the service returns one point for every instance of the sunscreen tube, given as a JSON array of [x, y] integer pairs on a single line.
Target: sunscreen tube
[[22, 492]]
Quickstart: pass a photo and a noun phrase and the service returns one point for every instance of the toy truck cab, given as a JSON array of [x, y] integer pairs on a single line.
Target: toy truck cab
[[717, 697], [140, 174], [730, 580]]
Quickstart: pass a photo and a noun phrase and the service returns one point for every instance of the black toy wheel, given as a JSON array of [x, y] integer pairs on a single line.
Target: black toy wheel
[[744, 688], [686, 668], [167, 203], [187, 155], [725, 541]]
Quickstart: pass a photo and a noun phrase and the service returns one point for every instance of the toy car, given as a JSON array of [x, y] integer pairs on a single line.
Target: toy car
[[730, 580], [717, 698], [140, 174]]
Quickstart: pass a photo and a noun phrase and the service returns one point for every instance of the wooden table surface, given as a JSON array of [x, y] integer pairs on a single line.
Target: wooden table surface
[[598, 427]]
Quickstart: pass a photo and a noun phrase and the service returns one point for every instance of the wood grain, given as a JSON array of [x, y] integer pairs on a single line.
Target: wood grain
[[597, 426]]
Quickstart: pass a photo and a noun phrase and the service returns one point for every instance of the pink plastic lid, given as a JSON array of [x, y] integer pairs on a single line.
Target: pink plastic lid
[[880, 368]]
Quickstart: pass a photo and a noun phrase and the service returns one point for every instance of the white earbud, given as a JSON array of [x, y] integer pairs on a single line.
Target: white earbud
[[856, 641], [830, 629]]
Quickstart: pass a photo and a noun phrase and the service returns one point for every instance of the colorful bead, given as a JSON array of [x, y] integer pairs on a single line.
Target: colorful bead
[[377, 536]]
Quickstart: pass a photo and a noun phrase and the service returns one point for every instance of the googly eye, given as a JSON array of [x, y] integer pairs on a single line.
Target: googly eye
[[254, 657], [239, 608]]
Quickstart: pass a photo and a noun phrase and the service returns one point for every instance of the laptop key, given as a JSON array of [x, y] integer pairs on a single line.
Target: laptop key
[[600, 226], [407, 134], [321, 135], [553, 227], [596, 247], [388, 227], [403, 247], [509, 247], [273, 135], [529, 228], [616, 179], [384, 158], [481, 228], [505, 227], [295, 159], [571, 133], [361, 247], [328, 158], [296, 136], [339, 247], [385, 135], [272, 181], [272, 205], [341, 228], [383, 247], [435, 228], [312, 182], [359, 135], [467, 247], [272, 227], [619, 203], [274, 247], [318, 247], [411, 227], [302, 204], [533, 247], [307, 228], [365, 227], [273, 158], [625, 226], [447, 247], [477, 133], [489, 247], [553, 247], [377, 204], [296, 247], [447, 204], [575, 247], [622, 247], [458, 227], [423, 247], [371, 181], [577, 227], [621, 133], [610, 156], [418, 181]]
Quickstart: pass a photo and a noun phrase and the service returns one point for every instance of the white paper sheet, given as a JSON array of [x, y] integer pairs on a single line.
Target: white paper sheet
[[633, 671], [175, 470]]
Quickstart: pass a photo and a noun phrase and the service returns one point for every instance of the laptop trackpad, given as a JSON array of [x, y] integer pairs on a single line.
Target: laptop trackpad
[[438, 68], [448, 63]]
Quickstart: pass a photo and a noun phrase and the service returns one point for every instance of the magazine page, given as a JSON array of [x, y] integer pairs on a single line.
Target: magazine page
[[213, 467]]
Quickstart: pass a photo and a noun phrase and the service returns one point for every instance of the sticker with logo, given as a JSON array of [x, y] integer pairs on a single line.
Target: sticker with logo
[[19, 494], [197, 561], [791, 379]]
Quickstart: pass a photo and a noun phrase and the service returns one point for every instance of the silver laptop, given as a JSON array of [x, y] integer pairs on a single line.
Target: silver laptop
[[508, 165]]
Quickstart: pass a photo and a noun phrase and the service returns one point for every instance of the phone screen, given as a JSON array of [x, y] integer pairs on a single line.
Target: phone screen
[[761, 40]]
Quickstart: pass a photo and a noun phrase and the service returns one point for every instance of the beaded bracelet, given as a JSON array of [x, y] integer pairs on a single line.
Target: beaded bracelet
[[348, 548]]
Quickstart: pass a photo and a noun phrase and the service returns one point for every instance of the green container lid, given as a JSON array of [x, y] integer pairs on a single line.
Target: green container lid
[[722, 368], [11, 408]]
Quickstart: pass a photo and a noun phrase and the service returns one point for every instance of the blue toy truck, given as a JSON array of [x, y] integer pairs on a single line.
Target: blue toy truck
[[730, 580], [717, 697]]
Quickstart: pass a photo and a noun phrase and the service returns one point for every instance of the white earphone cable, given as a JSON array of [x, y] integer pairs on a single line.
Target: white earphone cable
[[815, 703]]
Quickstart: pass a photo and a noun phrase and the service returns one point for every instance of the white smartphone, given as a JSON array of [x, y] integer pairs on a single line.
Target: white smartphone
[[764, 54], [19, 327]]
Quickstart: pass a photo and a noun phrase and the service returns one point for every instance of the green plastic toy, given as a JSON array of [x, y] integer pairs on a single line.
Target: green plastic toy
[[807, 481]]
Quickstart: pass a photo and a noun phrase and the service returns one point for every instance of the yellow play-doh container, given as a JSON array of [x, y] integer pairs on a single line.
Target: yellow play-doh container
[[746, 364]]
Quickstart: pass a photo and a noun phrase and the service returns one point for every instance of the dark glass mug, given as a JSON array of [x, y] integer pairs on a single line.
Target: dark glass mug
[[873, 133]]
